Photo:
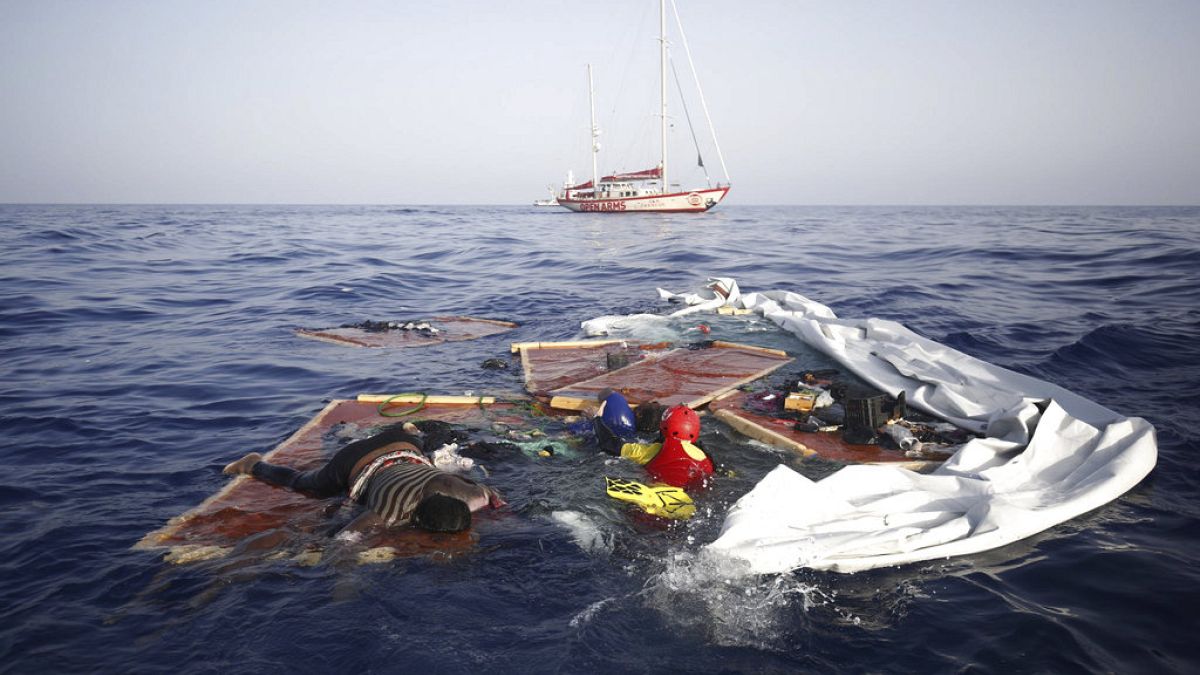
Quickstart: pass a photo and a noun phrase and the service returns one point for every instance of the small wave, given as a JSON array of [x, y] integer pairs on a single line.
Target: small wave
[[585, 617], [321, 293], [257, 259], [13, 494], [60, 235], [1133, 349]]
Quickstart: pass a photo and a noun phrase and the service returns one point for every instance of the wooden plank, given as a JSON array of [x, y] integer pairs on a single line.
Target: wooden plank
[[330, 337], [573, 344], [721, 344], [431, 400], [752, 430], [496, 322], [527, 368], [571, 402]]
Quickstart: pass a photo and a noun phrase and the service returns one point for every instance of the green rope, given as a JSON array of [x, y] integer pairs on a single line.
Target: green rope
[[403, 413]]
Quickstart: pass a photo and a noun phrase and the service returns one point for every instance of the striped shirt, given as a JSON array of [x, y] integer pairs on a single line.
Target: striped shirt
[[395, 490]]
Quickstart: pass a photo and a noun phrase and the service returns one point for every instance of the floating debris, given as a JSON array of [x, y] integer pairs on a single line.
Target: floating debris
[[415, 333], [494, 364]]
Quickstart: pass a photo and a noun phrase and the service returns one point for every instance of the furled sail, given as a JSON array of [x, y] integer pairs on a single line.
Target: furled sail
[[645, 174]]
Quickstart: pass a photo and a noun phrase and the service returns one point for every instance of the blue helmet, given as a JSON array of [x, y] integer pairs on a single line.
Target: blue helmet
[[618, 416]]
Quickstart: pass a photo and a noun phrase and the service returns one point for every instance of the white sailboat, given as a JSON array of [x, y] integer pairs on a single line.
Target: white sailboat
[[552, 200], [650, 189]]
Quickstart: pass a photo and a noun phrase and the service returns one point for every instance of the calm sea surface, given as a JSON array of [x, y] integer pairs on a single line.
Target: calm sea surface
[[143, 347]]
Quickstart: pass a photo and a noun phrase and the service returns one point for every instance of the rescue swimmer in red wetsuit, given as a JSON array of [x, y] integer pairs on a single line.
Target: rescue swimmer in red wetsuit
[[676, 459]]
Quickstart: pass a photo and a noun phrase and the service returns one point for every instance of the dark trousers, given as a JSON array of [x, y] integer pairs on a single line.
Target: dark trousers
[[333, 478], [606, 439]]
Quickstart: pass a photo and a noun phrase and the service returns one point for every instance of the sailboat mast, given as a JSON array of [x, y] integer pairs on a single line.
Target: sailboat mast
[[662, 40], [595, 134]]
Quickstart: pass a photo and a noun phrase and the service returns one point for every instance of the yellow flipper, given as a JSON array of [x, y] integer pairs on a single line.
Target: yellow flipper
[[665, 501]]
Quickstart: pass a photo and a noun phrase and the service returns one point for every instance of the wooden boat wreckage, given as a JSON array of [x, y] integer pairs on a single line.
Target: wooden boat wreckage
[[408, 333], [561, 378]]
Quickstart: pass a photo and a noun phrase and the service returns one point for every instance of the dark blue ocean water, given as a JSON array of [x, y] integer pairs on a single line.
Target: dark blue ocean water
[[143, 347]]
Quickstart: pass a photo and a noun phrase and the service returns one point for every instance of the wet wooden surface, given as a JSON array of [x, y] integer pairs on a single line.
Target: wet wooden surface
[[449, 329], [690, 377], [246, 508], [780, 432]]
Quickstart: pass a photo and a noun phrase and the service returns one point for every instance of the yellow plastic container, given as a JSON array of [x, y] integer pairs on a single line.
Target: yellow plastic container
[[802, 401]]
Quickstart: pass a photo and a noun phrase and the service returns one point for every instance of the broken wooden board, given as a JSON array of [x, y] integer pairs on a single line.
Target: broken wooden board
[[682, 376], [256, 517], [449, 329], [780, 433], [551, 365]]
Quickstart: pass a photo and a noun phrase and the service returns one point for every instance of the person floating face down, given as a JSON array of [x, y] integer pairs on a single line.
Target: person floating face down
[[675, 460], [390, 475]]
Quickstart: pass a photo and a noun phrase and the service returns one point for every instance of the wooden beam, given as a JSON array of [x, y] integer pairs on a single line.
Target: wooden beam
[[571, 402], [752, 430], [721, 344], [494, 322], [326, 337], [431, 400], [527, 368], [518, 346]]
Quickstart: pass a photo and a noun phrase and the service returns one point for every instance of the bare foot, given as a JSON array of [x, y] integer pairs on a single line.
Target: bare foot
[[243, 465]]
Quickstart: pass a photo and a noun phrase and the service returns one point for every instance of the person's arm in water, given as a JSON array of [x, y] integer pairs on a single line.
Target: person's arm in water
[[641, 453], [475, 496], [367, 520]]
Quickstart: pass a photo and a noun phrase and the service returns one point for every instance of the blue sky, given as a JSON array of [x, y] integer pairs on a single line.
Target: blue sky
[[922, 102]]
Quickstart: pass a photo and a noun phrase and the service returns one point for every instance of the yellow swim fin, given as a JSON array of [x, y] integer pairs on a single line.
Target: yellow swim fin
[[665, 501]]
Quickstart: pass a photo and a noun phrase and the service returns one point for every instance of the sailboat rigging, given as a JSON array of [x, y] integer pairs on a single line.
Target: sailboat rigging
[[649, 189]]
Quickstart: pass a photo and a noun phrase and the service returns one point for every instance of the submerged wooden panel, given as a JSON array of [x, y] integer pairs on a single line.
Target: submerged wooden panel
[[779, 432], [449, 329], [247, 511], [690, 377], [551, 365]]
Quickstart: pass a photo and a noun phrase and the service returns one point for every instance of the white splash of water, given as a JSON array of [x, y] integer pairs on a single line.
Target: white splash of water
[[715, 594]]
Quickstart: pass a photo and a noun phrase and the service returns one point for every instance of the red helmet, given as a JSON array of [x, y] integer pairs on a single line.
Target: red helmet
[[680, 422]]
